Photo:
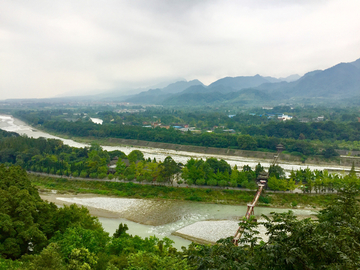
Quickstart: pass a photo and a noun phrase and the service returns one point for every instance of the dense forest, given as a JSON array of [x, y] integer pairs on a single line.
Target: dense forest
[[37, 235]]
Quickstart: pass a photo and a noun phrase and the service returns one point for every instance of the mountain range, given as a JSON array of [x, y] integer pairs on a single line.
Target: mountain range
[[340, 82]]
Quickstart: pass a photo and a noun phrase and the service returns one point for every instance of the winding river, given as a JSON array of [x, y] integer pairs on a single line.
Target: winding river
[[9, 123], [160, 218]]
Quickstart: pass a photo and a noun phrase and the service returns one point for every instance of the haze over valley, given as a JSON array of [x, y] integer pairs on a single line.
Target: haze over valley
[[180, 135]]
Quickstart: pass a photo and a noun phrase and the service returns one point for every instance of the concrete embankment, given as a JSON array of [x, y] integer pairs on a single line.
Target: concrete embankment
[[342, 160]]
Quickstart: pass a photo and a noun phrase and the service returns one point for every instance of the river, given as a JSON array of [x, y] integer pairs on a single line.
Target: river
[[160, 218], [9, 123], [163, 218]]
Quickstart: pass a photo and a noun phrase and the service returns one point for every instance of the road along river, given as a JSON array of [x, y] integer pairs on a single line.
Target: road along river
[[9, 123]]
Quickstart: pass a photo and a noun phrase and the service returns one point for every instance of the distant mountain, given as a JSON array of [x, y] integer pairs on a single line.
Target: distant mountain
[[203, 89], [157, 96], [195, 89], [337, 82], [356, 63], [291, 78], [340, 82], [152, 96], [248, 96], [194, 98], [180, 86], [204, 96], [242, 82]]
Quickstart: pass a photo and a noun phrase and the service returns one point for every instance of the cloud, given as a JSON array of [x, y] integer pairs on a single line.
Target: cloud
[[52, 47]]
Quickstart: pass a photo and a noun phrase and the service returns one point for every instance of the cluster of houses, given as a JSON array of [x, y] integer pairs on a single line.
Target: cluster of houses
[[183, 128], [129, 110], [316, 119], [282, 117]]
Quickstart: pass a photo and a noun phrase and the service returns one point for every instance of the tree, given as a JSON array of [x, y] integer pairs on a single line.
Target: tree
[[135, 155], [81, 258], [352, 172], [121, 230], [168, 168], [149, 261], [258, 169], [277, 171], [24, 224], [330, 152], [246, 142], [49, 259], [120, 167], [332, 241]]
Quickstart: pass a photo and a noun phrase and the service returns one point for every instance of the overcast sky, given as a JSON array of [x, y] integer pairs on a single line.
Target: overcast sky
[[48, 48]]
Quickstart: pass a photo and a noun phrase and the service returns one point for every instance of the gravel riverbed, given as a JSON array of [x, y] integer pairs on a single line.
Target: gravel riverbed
[[202, 223]]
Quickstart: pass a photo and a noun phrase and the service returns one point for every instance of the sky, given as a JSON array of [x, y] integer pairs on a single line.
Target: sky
[[71, 47]]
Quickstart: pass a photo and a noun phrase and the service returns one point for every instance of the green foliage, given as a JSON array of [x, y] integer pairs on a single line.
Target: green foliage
[[212, 182], [194, 197], [120, 167], [330, 152], [200, 182], [168, 168], [264, 199], [246, 142], [135, 155], [279, 184], [304, 138], [94, 240], [329, 242], [149, 261], [77, 240], [276, 171], [75, 216], [49, 259], [7, 264], [24, 217], [121, 230], [82, 259]]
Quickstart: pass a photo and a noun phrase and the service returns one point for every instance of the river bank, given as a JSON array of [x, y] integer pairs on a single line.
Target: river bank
[[181, 194], [194, 221], [267, 156], [9, 123]]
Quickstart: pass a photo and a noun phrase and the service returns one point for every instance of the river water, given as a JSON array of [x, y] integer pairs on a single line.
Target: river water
[[163, 218]]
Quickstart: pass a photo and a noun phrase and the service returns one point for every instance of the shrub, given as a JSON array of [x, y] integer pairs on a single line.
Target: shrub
[[101, 175], [200, 182], [194, 198], [233, 184], [93, 175], [263, 199], [140, 178], [130, 177], [223, 183], [294, 203], [212, 182]]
